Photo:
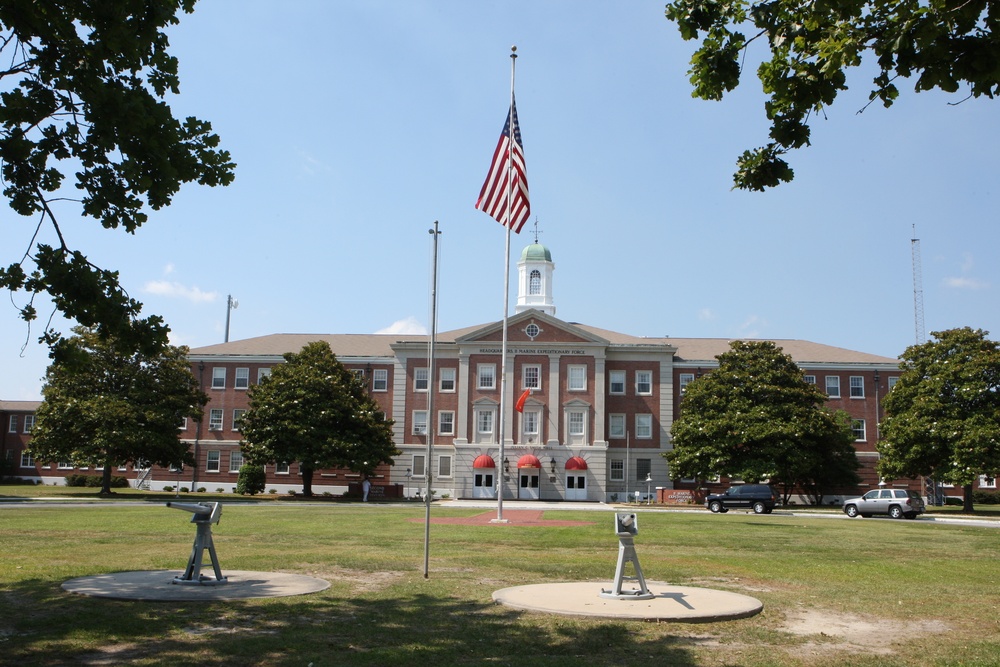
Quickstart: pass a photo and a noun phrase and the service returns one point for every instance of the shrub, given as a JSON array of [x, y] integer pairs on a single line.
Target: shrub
[[184, 489], [168, 488], [272, 490], [252, 480], [94, 481], [201, 489], [983, 497]]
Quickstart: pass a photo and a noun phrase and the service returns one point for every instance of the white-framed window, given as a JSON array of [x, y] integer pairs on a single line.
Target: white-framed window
[[857, 386], [420, 379], [858, 429], [577, 422], [64, 465], [380, 379], [27, 460], [535, 282], [418, 465], [892, 381], [617, 470], [184, 424], [12, 424], [484, 425], [235, 461], [29, 423], [419, 422], [263, 373], [531, 374], [684, 380], [242, 378], [577, 377], [487, 376], [530, 422], [616, 425], [642, 468], [215, 419], [616, 382], [643, 427], [212, 460], [219, 377], [446, 422], [987, 482], [173, 467], [444, 465], [833, 386], [810, 379], [281, 468], [237, 416], [447, 380], [644, 383]]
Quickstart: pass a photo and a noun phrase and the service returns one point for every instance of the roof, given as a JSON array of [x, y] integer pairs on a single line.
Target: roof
[[536, 252], [19, 406]]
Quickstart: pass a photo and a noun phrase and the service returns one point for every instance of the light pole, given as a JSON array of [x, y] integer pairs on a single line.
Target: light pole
[[406, 488], [649, 482]]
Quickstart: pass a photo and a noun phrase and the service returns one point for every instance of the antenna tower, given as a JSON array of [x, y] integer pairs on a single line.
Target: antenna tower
[[918, 289]]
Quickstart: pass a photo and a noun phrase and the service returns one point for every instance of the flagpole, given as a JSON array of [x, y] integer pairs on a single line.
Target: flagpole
[[506, 292], [431, 423]]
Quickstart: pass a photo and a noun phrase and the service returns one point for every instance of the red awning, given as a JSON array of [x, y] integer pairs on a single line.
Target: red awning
[[576, 463], [484, 461], [529, 461]]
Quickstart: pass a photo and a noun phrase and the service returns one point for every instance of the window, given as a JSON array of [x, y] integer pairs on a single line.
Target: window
[[535, 282], [577, 378], [27, 460], [987, 482], [242, 378], [484, 423], [212, 461], [215, 420], [892, 382], [380, 379], [576, 422], [184, 423], [810, 379], [858, 428], [29, 423], [643, 467], [857, 386], [64, 465], [529, 426], [685, 380], [833, 386], [235, 461], [263, 373], [616, 382], [644, 427], [281, 468], [616, 426], [444, 465], [617, 470], [12, 424], [219, 377], [418, 465], [237, 416], [446, 423], [487, 376], [420, 379], [644, 382], [532, 376], [447, 379], [532, 331], [419, 422]]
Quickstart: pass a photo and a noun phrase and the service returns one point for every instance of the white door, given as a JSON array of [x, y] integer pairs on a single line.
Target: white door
[[576, 487], [528, 488], [483, 486]]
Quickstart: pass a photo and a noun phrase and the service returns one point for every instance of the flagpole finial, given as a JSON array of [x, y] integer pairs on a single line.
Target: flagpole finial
[[513, 52]]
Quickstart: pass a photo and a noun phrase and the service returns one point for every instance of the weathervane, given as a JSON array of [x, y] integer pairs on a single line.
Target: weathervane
[[536, 229]]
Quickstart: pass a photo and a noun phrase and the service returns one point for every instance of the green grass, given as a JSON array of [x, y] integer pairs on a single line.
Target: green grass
[[927, 592]]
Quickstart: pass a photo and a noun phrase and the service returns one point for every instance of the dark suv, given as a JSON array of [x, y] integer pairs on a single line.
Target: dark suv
[[761, 498]]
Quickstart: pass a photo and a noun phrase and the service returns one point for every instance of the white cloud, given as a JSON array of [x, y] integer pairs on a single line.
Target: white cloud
[[168, 269], [407, 325], [751, 327], [178, 291], [706, 314], [959, 282]]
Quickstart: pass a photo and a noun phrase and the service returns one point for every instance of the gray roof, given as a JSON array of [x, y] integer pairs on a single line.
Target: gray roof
[[19, 406]]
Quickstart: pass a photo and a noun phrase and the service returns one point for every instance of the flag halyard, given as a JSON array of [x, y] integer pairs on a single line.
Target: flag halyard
[[506, 179]]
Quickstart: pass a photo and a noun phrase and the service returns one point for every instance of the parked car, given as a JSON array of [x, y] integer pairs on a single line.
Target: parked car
[[897, 503], [761, 498]]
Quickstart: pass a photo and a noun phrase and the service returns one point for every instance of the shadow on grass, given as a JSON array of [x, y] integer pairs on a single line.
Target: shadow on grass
[[42, 625]]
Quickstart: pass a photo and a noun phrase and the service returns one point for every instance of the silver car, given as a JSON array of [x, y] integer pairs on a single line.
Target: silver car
[[897, 503]]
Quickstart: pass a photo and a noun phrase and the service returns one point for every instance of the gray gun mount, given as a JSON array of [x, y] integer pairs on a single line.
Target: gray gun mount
[[203, 515], [627, 527]]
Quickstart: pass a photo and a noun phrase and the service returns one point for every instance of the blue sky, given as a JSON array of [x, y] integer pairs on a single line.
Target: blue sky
[[356, 124]]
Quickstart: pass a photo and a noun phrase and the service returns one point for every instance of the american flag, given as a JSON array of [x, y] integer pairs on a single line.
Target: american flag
[[493, 196]]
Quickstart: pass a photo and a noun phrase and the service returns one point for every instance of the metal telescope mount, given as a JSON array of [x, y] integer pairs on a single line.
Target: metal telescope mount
[[203, 515], [627, 526]]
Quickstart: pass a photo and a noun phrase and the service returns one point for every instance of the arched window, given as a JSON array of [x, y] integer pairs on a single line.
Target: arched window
[[535, 282]]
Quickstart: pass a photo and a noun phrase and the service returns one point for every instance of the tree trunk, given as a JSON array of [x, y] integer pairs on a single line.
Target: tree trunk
[[307, 481], [106, 479], [967, 498]]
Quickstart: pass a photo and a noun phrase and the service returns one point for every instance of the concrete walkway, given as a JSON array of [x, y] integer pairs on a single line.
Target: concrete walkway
[[158, 585]]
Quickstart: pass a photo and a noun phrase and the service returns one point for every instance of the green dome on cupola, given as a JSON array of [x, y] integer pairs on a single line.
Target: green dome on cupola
[[536, 252]]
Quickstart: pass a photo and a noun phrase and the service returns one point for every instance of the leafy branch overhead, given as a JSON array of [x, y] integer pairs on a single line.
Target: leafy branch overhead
[[950, 45], [83, 94]]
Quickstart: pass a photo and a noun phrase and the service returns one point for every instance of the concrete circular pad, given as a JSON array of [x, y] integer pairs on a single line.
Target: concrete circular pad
[[683, 604], [158, 585]]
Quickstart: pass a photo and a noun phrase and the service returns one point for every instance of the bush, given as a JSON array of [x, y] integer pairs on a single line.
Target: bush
[[982, 497], [168, 488], [201, 489], [184, 489], [220, 490], [94, 481], [272, 490], [252, 480]]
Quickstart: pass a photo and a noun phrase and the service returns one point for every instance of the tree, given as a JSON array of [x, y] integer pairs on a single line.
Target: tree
[[755, 418], [313, 410], [105, 406], [946, 45], [83, 88], [942, 419]]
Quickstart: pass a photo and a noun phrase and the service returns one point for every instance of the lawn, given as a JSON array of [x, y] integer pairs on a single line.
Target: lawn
[[835, 592]]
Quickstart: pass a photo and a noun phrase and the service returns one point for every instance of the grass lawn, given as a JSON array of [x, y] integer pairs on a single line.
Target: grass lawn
[[835, 592]]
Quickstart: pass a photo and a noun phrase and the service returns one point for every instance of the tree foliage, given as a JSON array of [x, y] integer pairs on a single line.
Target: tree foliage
[[755, 418], [313, 410], [106, 406], [942, 419], [945, 44], [83, 87]]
